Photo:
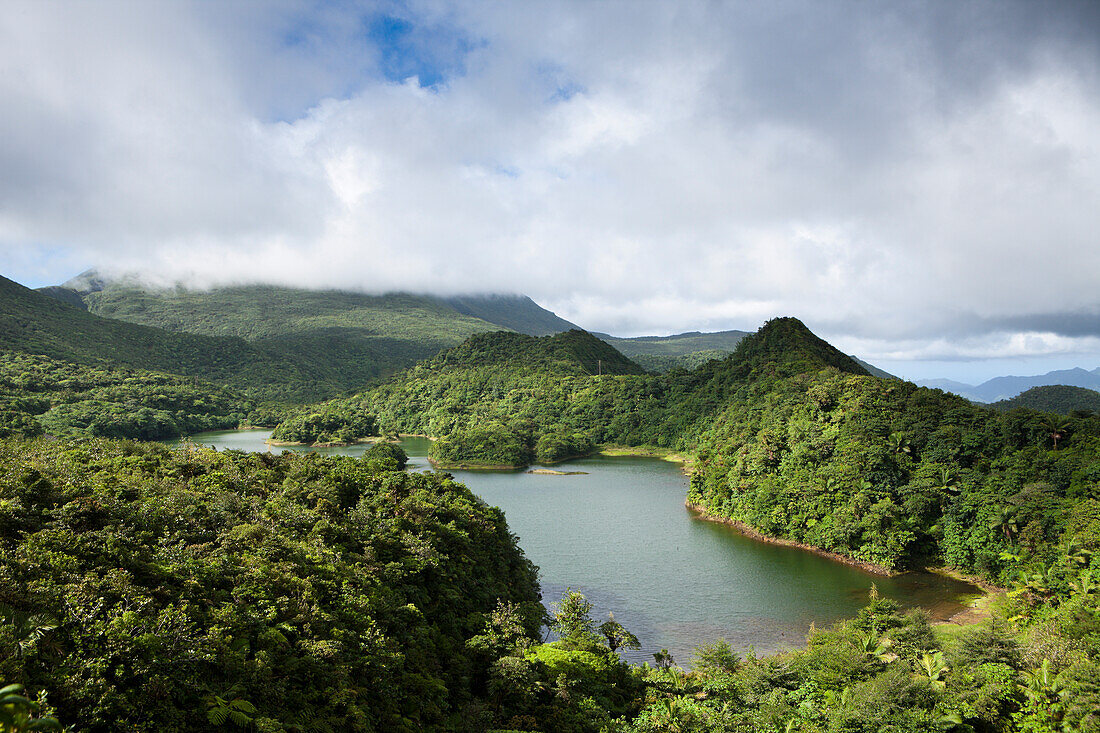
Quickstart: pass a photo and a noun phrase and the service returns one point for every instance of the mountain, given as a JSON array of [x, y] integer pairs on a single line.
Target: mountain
[[352, 338], [1059, 398], [256, 312], [947, 385], [506, 389], [262, 311], [1003, 388], [514, 312], [683, 350], [873, 370], [34, 323], [312, 367], [572, 353]]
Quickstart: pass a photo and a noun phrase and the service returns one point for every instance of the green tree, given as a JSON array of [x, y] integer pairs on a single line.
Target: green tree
[[617, 636], [19, 713], [572, 620]]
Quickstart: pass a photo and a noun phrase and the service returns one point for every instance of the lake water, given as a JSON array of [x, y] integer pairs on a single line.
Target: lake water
[[621, 535]]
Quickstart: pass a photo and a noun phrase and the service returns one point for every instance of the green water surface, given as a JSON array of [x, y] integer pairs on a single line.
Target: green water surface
[[621, 535]]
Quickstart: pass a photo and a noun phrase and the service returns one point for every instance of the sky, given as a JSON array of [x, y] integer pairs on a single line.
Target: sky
[[919, 182]]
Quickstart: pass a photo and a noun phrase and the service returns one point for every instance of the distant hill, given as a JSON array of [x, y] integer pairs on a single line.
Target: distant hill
[[33, 323], [572, 353], [1059, 398], [514, 312], [873, 370], [355, 337], [683, 350], [1004, 388], [295, 370], [947, 385]]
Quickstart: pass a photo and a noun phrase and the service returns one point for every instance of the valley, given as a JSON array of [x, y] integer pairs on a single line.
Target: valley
[[787, 438]]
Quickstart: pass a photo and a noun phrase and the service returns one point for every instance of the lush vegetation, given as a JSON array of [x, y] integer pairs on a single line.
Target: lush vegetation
[[32, 323], [1059, 398], [514, 312], [790, 436], [327, 426], [680, 351], [500, 445], [148, 589], [896, 475], [887, 671], [40, 396], [339, 340]]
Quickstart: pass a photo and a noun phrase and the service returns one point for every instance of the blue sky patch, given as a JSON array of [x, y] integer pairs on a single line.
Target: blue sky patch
[[433, 54]]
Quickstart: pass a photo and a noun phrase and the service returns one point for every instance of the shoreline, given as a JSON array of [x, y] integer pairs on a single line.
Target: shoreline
[[440, 466], [686, 460], [975, 611], [869, 567], [357, 441]]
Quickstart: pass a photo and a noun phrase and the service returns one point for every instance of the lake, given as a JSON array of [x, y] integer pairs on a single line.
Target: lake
[[621, 535]]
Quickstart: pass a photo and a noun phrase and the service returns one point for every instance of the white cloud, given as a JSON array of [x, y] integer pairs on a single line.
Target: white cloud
[[638, 167]]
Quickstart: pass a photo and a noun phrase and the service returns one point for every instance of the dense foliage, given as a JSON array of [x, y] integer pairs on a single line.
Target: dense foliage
[[1059, 398], [790, 436], [682, 350], [893, 474], [40, 395], [298, 349], [151, 589], [326, 426], [145, 589], [886, 671], [499, 445]]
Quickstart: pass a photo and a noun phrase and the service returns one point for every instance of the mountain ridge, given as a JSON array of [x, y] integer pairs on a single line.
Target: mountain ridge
[[1007, 387]]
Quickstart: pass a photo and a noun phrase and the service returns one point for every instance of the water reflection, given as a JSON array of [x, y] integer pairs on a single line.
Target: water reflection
[[621, 535]]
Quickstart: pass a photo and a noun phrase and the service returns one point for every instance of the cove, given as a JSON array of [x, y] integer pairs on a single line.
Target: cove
[[620, 534]]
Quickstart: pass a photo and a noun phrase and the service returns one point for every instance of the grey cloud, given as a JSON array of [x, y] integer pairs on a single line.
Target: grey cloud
[[892, 173], [1064, 324]]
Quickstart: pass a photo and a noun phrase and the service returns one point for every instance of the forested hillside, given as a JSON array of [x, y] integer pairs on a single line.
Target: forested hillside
[[514, 312], [682, 350], [472, 387], [1060, 398], [350, 338], [790, 436], [297, 368], [39, 395], [148, 589]]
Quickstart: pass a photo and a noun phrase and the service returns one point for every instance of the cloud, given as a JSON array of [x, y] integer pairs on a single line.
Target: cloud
[[889, 173]]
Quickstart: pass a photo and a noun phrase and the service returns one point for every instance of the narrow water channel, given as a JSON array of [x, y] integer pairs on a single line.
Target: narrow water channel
[[620, 534]]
